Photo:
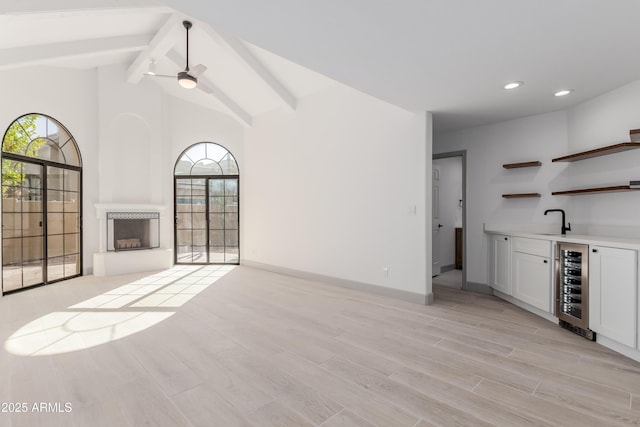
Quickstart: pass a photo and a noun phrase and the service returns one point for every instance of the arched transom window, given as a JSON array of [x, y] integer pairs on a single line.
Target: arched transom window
[[41, 137], [206, 158]]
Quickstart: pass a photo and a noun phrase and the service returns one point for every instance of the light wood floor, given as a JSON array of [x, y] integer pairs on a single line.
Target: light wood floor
[[252, 348]]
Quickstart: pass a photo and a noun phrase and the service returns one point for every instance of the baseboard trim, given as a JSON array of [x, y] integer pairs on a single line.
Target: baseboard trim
[[446, 268], [480, 288], [344, 283], [535, 310], [620, 348]]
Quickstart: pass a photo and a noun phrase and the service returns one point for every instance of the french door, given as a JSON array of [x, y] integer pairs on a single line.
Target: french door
[[41, 223], [207, 220]]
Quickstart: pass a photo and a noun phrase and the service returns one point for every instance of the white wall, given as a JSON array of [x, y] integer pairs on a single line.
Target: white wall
[[328, 189], [450, 210], [602, 121], [540, 137]]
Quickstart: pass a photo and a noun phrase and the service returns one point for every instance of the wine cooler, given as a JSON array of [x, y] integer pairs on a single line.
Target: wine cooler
[[572, 288]]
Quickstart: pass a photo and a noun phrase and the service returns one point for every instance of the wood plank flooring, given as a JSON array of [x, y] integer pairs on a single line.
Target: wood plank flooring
[[245, 347]]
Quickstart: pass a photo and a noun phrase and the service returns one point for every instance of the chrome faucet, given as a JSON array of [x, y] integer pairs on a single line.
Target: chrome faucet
[[565, 228]]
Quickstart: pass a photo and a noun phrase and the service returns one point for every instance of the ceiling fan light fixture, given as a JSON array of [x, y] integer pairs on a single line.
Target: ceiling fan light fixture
[[187, 81], [152, 68]]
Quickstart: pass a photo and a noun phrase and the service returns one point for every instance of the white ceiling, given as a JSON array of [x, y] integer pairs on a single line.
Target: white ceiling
[[450, 57]]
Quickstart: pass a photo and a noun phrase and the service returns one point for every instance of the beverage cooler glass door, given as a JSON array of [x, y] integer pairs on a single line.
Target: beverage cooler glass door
[[572, 284]]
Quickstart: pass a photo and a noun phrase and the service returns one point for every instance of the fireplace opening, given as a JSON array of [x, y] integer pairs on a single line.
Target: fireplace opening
[[129, 231]]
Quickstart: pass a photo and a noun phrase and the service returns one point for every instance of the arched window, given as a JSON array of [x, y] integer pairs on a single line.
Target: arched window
[[206, 185], [41, 137], [41, 203]]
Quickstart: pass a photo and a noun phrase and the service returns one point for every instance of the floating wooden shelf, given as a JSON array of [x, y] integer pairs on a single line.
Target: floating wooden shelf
[[613, 189], [602, 151], [521, 165], [520, 195]]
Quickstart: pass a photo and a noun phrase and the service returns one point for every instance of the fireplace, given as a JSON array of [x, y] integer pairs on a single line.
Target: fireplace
[[130, 231]]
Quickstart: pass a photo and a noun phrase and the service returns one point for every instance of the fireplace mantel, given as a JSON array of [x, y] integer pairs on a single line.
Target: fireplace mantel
[[103, 208]]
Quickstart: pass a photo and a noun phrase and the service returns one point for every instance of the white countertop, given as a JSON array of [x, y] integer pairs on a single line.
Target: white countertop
[[618, 242]]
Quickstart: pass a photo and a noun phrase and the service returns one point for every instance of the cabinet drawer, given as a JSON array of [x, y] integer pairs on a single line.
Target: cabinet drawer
[[532, 246]]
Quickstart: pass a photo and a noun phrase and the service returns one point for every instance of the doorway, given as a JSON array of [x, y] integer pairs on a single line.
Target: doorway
[[207, 209], [449, 219], [41, 204]]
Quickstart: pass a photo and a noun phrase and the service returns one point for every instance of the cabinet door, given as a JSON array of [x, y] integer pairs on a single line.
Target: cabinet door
[[531, 280], [500, 263], [612, 293]]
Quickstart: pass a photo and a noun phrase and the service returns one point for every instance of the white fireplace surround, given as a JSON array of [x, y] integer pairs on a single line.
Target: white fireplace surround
[[113, 263]]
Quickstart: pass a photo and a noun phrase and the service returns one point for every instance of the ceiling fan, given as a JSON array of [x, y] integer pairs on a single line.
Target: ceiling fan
[[188, 78]]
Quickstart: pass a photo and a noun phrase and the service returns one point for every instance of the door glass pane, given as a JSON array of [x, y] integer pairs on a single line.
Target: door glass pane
[[12, 251], [11, 277], [55, 268], [32, 260], [184, 254], [216, 204], [216, 221], [55, 246], [183, 238], [183, 220], [32, 272], [231, 204], [11, 224], [231, 187], [71, 201], [232, 255], [71, 222], [71, 244], [71, 180], [231, 221], [216, 187], [200, 254], [216, 246], [55, 223], [71, 265], [55, 178]]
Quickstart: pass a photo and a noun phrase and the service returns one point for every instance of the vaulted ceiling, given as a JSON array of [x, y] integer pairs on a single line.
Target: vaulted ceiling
[[241, 80], [451, 57]]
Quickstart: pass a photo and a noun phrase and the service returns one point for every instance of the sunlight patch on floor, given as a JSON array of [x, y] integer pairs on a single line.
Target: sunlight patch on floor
[[115, 314]]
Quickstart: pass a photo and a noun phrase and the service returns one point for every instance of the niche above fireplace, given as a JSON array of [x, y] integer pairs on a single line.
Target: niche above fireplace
[[130, 231]]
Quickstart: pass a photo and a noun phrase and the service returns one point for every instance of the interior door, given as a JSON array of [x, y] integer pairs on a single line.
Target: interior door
[[435, 223], [22, 225]]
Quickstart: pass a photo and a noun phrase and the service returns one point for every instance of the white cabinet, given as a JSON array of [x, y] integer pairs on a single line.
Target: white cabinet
[[500, 263], [531, 272], [612, 293]]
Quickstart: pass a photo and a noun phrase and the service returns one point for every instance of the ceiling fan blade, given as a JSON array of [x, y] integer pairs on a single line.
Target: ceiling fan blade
[[159, 75], [197, 70], [205, 87]]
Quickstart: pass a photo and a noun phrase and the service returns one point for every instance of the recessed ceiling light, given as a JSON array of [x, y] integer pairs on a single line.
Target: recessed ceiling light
[[563, 92], [513, 85]]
